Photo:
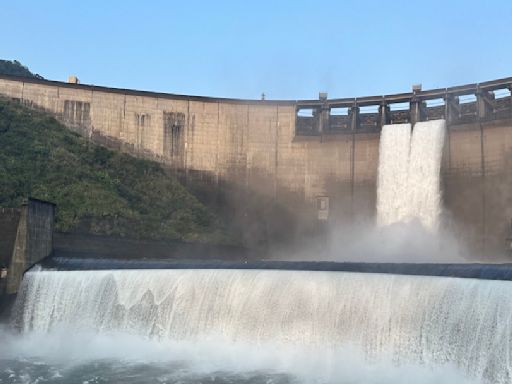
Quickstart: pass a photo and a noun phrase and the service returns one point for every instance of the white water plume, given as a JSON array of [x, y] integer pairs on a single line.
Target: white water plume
[[392, 186], [408, 185], [424, 172]]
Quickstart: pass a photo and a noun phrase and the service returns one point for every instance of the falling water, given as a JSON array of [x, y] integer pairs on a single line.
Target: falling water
[[424, 172], [409, 173], [392, 186], [429, 321]]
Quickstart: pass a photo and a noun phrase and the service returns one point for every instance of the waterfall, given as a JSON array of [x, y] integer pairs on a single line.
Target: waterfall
[[424, 172], [408, 184], [392, 186], [426, 320]]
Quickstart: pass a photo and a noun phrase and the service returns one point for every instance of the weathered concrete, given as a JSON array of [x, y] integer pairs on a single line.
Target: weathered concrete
[[261, 162], [9, 218], [33, 241]]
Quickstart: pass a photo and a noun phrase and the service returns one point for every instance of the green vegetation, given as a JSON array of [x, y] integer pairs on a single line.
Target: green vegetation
[[96, 190], [15, 68]]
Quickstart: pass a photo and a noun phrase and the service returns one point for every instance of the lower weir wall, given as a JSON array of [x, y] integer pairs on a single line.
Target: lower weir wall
[[245, 157], [75, 245]]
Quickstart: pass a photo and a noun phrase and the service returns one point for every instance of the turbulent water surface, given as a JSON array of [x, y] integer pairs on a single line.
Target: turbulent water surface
[[194, 326], [87, 358]]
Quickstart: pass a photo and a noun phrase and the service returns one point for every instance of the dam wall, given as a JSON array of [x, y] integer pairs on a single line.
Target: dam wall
[[282, 168]]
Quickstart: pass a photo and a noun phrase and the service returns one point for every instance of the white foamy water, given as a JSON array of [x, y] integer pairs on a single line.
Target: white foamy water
[[392, 185], [408, 185], [457, 329], [424, 172]]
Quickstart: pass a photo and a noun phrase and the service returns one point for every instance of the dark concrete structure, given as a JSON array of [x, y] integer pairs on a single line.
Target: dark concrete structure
[[77, 245], [469, 271], [27, 238]]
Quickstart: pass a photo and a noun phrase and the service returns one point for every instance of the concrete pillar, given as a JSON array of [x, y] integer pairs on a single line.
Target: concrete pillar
[[383, 114], [323, 113], [451, 108], [323, 123], [354, 117], [510, 106], [415, 110], [484, 100]]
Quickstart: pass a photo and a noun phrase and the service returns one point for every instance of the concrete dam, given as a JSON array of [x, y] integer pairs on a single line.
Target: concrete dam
[[326, 165], [281, 168]]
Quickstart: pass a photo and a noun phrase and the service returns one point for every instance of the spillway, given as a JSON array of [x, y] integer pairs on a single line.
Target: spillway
[[429, 321], [424, 187], [408, 186], [392, 182]]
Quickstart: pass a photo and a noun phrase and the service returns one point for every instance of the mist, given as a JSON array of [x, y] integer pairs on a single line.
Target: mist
[[405, 242], [60, 354], [398, 243]]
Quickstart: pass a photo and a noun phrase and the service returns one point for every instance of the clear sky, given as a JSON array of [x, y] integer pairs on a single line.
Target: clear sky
[[287, 49]]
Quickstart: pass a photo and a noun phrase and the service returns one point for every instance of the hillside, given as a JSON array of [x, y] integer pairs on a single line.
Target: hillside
[[96, 190], [15, 68]]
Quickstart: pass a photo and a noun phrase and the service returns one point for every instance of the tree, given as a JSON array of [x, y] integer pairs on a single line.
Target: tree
[[15, 68]]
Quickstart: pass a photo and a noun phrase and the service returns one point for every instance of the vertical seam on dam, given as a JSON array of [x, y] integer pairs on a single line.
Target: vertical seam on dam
[[187, 140], [276, 148], [352, 173], [217, 154], [449, 145]]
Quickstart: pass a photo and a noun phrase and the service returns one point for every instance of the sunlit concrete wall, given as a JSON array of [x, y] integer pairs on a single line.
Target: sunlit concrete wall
[[234, 140]]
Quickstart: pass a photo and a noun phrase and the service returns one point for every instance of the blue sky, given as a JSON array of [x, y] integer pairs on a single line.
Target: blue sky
[[287, 49]]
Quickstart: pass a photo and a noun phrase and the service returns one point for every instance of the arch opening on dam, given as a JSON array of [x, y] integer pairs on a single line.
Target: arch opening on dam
[[282, 168]]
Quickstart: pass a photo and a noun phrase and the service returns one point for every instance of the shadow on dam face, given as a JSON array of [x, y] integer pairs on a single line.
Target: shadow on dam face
[[471, 271]]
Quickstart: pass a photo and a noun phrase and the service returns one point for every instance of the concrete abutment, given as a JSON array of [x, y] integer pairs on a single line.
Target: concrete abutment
[[27, 239]]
